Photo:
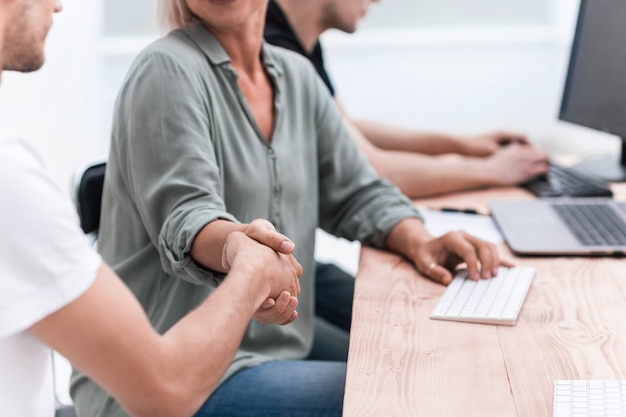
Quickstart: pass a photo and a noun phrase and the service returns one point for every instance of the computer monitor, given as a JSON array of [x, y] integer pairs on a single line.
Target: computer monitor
[[595, 89]]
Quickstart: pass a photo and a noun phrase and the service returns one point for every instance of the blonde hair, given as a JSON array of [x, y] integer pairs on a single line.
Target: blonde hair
[[175, 14]]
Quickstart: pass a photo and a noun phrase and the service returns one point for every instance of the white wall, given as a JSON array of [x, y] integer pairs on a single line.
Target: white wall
[[491, 80]]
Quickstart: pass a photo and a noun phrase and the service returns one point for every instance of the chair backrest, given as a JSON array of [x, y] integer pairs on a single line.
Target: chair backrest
[[88, 182], [65, 411]]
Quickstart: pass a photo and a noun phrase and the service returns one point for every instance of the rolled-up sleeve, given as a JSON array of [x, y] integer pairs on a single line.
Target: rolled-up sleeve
[[166, 157]]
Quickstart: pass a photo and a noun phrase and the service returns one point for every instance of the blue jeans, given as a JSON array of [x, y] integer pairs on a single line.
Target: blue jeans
[[301, 388], [334, 291], [280, 389]]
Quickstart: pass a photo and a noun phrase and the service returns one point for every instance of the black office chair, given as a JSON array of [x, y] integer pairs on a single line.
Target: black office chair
[[88, 182], [87, 194], [65, 411]]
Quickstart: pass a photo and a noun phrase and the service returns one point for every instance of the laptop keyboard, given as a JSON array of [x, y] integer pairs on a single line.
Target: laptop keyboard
[[594, 224], [588, 398], [564, 182], [497, 300]]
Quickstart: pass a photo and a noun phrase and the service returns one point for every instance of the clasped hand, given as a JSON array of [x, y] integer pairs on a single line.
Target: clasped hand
[[269, 256]]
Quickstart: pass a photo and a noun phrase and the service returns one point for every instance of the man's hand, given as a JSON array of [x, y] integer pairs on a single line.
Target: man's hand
[[276, 274], [487, 144], [516, 164]]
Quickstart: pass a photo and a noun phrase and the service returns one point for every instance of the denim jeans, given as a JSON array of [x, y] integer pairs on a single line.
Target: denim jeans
[[281, 388], [334, 291], [300, 388]]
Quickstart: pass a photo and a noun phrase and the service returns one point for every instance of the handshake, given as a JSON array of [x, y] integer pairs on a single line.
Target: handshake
[[264, 258]]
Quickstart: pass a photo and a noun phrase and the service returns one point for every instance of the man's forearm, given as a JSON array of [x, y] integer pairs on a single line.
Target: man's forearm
[[395, 138], [229, 311], [420, 175], [107, 335]]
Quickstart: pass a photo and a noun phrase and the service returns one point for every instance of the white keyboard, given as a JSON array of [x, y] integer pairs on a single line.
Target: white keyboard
[[497, 300], [589, 398]]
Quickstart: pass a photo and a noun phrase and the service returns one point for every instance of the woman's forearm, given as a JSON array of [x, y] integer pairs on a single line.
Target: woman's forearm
[[207, 247]]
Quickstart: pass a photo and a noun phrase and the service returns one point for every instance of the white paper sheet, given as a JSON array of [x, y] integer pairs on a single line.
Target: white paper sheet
[[439, 223]]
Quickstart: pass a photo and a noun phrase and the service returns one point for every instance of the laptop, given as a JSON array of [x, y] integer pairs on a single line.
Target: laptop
[[562, 226]]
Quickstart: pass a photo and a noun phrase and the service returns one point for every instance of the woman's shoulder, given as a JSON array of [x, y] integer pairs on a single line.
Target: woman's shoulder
[[172, 50]]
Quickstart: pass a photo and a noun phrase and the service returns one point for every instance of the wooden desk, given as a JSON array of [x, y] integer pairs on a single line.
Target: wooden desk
[[401, 363]]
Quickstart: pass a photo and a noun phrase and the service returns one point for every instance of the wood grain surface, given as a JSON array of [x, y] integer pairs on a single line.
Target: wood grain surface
[[402, 363]]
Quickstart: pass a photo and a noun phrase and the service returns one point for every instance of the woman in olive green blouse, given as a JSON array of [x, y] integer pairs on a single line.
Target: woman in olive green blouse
[[214, 128]]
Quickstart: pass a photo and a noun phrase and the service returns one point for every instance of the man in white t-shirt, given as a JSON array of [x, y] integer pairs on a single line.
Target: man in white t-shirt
[[55, 292]]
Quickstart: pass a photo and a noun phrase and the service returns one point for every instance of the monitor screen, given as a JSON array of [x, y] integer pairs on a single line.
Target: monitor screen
[[595, 89]]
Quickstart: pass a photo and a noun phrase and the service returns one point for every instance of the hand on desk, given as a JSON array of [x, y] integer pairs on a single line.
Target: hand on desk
[[437, 258]]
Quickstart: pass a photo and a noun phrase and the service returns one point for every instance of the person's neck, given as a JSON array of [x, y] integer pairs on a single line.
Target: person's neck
[[243, 45], [305, 18]]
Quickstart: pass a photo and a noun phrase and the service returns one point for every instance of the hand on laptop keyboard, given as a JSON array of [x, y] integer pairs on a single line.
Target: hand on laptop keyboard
[[564, 182]]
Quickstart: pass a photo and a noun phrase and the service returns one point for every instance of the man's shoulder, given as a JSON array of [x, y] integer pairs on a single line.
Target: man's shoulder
[[23, 172], [15, 152]]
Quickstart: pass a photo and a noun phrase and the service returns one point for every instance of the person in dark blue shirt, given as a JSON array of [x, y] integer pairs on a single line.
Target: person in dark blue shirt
[[410, 159]]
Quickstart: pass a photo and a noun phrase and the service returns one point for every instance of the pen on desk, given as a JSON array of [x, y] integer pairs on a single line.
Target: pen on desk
[[465, 210]]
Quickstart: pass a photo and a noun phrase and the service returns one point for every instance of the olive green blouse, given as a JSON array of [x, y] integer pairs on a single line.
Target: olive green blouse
[[186, 151]]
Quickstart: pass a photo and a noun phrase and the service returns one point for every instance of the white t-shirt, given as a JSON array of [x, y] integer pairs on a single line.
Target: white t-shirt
[[45, 263]]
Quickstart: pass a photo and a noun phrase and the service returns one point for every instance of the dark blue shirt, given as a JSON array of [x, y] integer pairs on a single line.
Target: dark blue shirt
[[279, 32]]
